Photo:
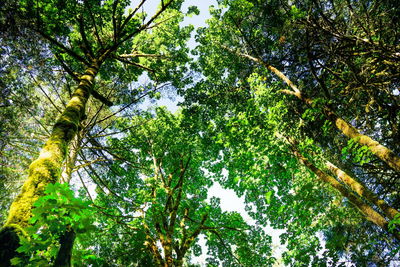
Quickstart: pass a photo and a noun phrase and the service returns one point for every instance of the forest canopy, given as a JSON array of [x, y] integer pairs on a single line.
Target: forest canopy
[[292, 106]]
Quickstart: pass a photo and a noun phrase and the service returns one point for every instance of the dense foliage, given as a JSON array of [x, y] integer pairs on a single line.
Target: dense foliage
[[293, 105]]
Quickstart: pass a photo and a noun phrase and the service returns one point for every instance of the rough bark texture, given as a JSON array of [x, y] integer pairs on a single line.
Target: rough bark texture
[[377, 149], [46, 168]]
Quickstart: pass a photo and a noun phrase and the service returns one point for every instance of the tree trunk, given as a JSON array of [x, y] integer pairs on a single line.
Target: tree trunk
[[70, 160], [362, 191], [64, 254], [382, 152], [46, 168], [369, 213], [356, 186], [377, 149]]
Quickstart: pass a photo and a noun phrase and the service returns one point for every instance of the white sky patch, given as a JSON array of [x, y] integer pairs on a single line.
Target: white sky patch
[[231, 202]]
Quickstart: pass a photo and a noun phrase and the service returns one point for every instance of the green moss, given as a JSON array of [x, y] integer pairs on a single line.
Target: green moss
[[44, 170], [47, 168]]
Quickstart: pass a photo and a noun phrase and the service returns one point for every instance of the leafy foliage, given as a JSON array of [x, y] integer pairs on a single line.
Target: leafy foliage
[[270, 88], [54, 213]]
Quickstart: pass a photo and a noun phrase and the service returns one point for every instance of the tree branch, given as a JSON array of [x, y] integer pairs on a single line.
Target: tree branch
[[64, 48]]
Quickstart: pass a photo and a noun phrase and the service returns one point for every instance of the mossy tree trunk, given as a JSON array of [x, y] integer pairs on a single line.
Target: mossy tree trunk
[[382, 152], [368, 212], [357, 187], [47, 167], [363, 191]]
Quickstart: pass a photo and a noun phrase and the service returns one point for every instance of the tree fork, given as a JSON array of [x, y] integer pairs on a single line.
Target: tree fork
[[46, 168]]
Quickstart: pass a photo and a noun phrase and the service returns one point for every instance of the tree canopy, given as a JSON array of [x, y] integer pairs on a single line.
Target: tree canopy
[[293, 105]]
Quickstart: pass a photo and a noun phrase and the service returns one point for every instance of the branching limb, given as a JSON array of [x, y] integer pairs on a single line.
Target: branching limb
[[64, 48]]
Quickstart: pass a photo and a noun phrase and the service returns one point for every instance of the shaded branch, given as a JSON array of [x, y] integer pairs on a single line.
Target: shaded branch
[[64, 48], [67, 69]]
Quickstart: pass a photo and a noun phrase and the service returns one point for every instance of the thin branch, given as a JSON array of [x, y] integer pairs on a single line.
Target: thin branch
[[123, 60], [225, 246], [64, 48], [86, 45], [143, 27], [159, 23], [129, 17], [96, 32], [44, 92], [115, 4], [67, 69], [133, 55]]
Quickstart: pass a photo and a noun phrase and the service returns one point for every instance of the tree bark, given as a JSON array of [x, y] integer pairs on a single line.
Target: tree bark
[[70, 160], [64, 254], [362, 191], [368, 212], [46, 168], [382, 152]]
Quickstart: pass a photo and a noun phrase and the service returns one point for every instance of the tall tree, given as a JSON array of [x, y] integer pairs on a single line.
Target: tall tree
[[88, 38], [159, 174], [269, 38]]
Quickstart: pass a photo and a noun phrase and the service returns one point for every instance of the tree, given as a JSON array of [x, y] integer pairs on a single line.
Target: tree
[[292, 104], [268, 38], [85, 44], [159, 175]]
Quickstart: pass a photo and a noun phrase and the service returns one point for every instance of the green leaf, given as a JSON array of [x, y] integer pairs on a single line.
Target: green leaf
[[268, 196], [16, 261]]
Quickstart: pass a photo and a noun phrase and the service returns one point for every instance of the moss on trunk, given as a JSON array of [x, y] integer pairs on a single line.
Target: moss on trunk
[[369, 213], [46, 168]]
